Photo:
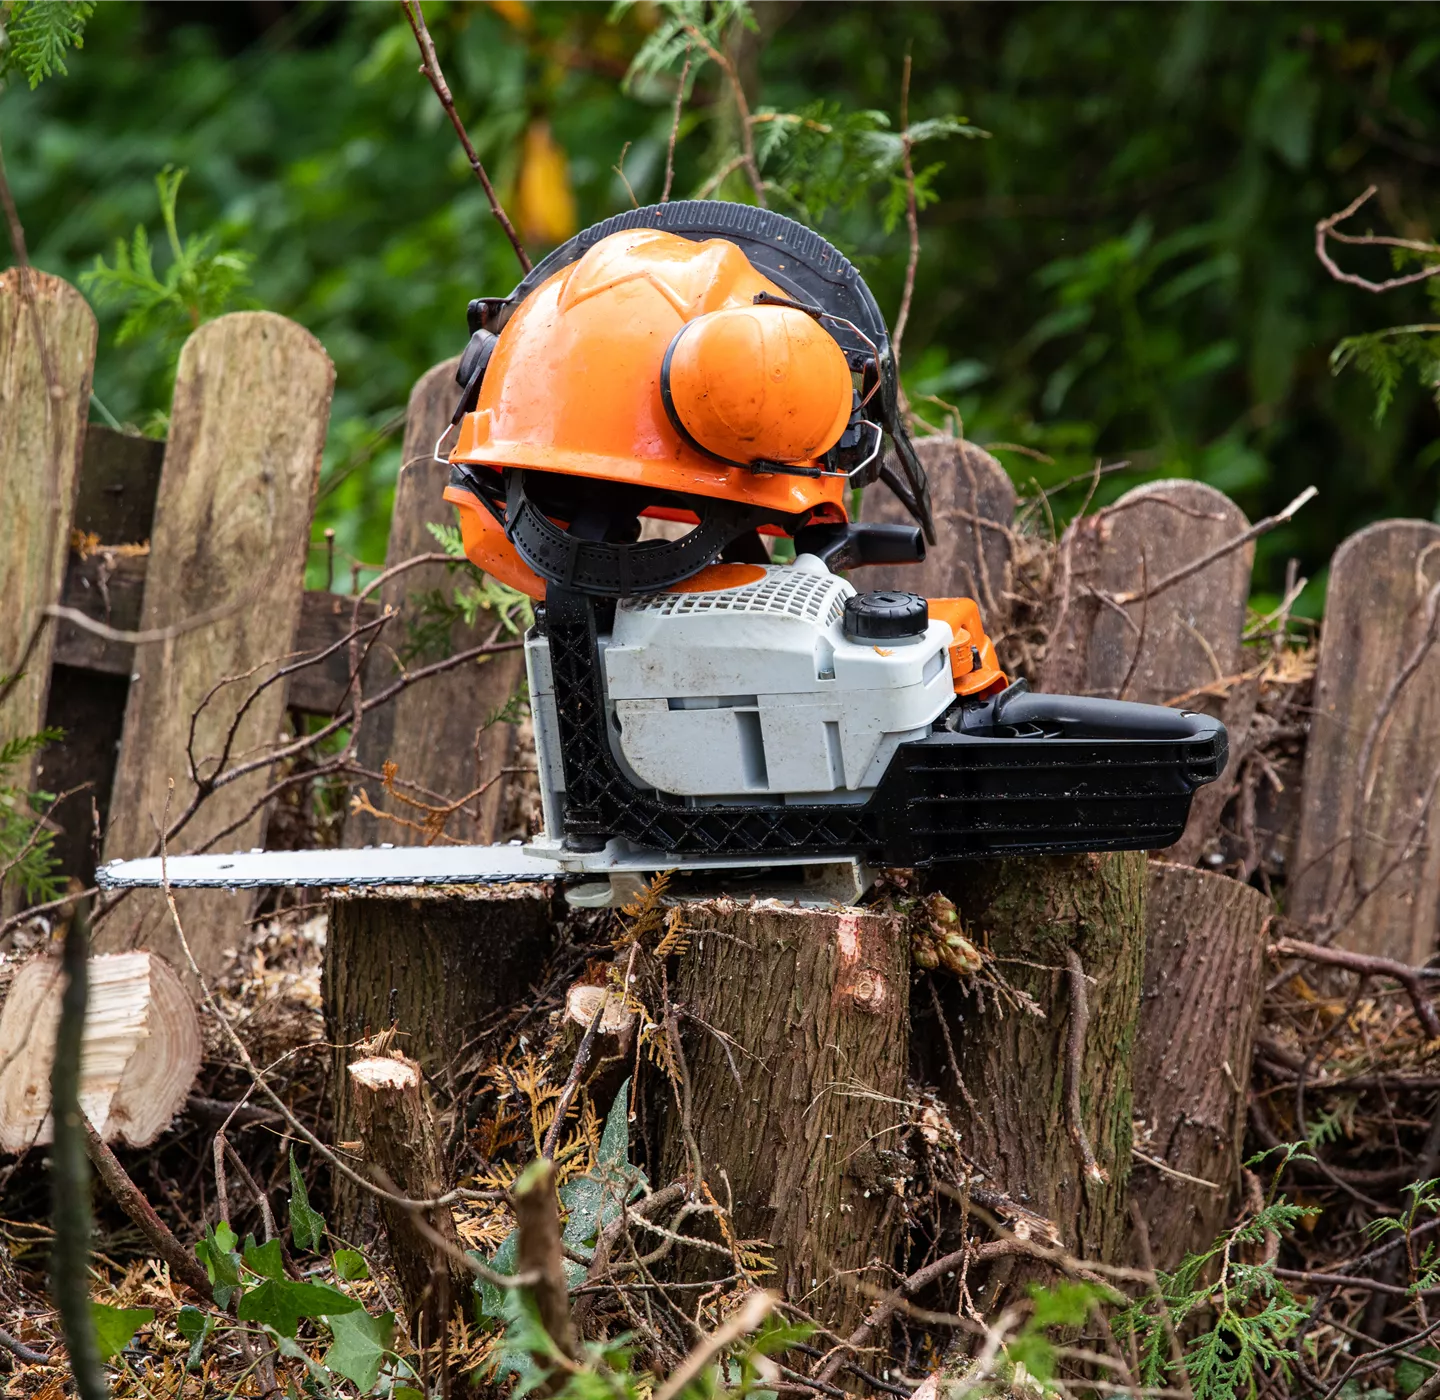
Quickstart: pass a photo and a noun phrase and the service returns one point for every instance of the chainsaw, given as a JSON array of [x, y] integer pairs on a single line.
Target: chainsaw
[[699, 706]]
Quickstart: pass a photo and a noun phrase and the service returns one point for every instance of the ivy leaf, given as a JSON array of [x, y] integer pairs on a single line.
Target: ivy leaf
[[350, 1264], [360, 1345], [307, 1225], [216, 1250], [281, 1303], [195, 1326], [264, 1259], [114, 1327]]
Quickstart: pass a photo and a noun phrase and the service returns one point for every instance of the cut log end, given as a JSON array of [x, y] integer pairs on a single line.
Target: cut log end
[[140, 1056], [394, 1075]]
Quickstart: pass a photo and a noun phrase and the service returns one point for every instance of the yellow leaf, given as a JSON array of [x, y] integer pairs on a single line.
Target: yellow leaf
[[515, 13], [546, 204]]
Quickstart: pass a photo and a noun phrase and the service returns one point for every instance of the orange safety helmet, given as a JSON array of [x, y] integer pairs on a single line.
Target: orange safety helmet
[[653, 366]]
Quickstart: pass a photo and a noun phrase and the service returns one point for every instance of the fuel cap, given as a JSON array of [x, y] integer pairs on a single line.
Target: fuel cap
[[890, 616]]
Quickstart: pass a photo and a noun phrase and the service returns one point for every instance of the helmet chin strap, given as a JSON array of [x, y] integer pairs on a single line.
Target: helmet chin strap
[[609, 569]]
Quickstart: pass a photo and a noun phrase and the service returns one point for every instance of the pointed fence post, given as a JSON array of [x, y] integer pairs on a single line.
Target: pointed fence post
[[1367, 865], [222, 599], [445, 736], [47, 350]]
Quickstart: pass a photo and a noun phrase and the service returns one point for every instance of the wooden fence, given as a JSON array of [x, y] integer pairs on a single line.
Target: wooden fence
[[1145, 599]]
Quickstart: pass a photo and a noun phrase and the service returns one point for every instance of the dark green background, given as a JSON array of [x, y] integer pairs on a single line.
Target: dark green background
[[1124, 269]]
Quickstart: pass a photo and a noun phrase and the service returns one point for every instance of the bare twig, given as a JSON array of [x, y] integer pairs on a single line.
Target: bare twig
[[430, 67], [572, 1083], [537, 1223], [1220, 551], [742, 107], [1368, 966], [184, 1266], [675, 129], [23, 1353], [746, 1318], [70, 1175], [1327, 228], [1075, 1064], [912, 216]]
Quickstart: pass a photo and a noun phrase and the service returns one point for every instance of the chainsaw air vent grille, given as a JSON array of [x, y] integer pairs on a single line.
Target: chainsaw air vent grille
[[782, 592]]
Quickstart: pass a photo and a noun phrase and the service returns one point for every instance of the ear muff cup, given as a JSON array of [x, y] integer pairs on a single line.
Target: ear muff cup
[[757, 384]]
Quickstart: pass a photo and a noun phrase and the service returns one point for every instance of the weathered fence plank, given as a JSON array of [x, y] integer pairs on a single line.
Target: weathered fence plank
[[438, 734], [973, 501], [223, 588], [47, 349], [1157, 645], [1204, 948], [1368, 862]]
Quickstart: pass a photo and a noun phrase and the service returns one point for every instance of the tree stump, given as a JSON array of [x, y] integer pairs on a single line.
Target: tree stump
[[1014, 1111], [793, 1026], [438, 963], [397, 1126], [1204, 950]]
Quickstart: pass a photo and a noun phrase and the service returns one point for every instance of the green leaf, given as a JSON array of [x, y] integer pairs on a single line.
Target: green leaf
[[281, 1303], [39, 32], [405, 1392], [195, 1326], [216, 1250], [1411, 1375], [114, 1327], [307, 1225], [264, 1259], [360, 1345], [350, 1264]]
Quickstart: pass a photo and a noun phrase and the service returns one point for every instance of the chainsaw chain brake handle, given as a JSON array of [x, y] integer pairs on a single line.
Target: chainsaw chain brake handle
[[811, 270]]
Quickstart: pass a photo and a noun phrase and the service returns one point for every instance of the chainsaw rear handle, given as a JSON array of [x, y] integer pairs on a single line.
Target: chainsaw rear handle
[[1017, 712]]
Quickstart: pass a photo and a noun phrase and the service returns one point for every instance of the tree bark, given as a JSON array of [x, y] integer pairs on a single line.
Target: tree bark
[[397, 1127], [438, 963], [793, 1027], [1204, 949], [1023, 1072]]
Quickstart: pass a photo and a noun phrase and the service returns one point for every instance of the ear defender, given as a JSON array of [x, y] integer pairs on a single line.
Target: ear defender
[[754, 385]]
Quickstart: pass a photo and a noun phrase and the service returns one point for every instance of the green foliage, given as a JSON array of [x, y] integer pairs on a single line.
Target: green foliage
[[307, 1225], [196, 1327], [280, 1303], [360, 1345], [1241, 126], [428, 636], [685, 29], [26, 844], [1411, 1375], [1383, 357], [115, 1327], [37, 33], [350, 1265], [1064, 1305], [216, 1251], [1250, 1314], [201, 282], [590, 1201]]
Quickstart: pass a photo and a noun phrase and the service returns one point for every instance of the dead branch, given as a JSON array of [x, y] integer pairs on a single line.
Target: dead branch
[[572, 1082], [746, 1318], [1220, 551], [1408, 977], [1075, 1064], [912, 217], [430, 67], [1327, 228], [742, 107], [184, 1266], [537, 1221], [70, 1175], [675, 130]]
